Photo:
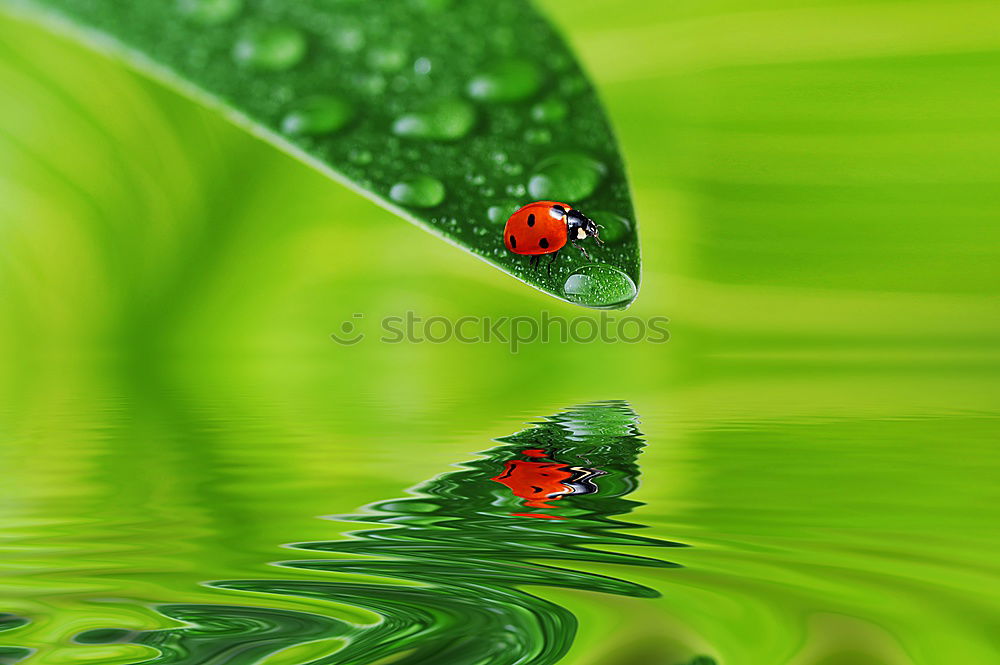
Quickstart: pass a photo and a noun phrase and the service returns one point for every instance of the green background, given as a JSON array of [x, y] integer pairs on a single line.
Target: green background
[[818, 189]]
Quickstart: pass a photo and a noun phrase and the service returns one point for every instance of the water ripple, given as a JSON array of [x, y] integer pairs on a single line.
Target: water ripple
[[10, 654], [443, 569]]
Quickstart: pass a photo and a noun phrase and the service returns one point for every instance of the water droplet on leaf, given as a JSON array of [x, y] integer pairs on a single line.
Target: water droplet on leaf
[[445, 120], [572, 85], [550, 110], [209, 12], [373, 84], [360, 156], [387, 58], [317, 115], [600, 286], [614, 228], [509, 81], [537, 136], [569, 176], [420, 192], [499, 214], [347, 38], [271, 48], [422, 66]]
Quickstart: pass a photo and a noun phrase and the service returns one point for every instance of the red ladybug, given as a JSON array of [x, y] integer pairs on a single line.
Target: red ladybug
[[544, 227]]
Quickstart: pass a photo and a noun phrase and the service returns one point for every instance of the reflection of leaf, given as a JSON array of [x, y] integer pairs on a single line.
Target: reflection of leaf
[[443, 570], [448, 113], [11, 655]]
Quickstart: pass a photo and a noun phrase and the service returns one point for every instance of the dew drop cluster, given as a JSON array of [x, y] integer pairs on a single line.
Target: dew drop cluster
[[399, 112]]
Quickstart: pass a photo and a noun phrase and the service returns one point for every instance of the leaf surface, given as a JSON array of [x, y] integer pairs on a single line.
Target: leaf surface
[[451, 114]]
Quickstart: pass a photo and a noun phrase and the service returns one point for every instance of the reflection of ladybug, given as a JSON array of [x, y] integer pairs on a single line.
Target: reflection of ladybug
[[539, 482], [544, 227]]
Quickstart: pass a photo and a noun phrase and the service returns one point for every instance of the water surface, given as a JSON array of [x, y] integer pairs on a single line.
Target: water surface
[[730, 523]]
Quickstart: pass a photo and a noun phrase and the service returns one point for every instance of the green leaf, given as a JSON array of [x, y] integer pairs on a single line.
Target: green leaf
[[450, 113]]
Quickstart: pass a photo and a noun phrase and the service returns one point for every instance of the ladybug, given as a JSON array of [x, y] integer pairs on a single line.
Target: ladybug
[[544, 227]]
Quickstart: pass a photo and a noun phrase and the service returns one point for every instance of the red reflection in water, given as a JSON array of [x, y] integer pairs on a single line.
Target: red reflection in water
[[538, 482]]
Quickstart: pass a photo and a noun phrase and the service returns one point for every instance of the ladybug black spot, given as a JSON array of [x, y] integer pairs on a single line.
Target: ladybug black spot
[[513, 242], [543, 243], [531, 220]]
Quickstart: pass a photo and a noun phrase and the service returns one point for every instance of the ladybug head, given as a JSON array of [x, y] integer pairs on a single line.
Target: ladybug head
[[581, 226]]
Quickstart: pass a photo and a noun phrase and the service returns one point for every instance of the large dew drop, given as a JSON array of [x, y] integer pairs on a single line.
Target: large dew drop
[[499, 214], [420, 192], [550, 110], [387, 58], [600, 286], [569, 177], [209, 12], [317, 115], [347, 38], [271, 48], [445, 120], [508, 81], [614, 228]]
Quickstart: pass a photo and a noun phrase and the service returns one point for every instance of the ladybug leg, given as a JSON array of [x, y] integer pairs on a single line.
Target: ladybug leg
[[585, 254], [533, 261], [555, 255]]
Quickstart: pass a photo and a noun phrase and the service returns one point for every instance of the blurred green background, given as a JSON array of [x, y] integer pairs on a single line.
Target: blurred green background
[[817, 186]]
